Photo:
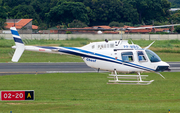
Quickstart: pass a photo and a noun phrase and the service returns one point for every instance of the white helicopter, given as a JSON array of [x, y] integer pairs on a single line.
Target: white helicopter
[[114, 56]]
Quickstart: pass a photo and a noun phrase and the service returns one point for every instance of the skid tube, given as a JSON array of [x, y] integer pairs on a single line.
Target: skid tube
[[126, 78]]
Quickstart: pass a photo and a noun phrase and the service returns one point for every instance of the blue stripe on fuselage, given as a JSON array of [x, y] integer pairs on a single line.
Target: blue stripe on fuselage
[[89, 54], [96, 57], [104, 56]]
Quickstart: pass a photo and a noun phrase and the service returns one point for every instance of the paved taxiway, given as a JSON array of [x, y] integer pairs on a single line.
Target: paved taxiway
[[15, 68]]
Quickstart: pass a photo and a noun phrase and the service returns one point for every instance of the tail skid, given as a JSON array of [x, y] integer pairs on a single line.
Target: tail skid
[[19, 45]]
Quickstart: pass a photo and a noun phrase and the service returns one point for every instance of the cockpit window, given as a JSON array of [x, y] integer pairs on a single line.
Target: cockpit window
[[127, 56], [141, 56], [153, 57]]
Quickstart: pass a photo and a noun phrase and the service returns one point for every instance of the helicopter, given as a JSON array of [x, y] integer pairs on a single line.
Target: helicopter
[[116, 56]]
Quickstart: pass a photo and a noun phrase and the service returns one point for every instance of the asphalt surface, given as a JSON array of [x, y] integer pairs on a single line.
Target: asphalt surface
[[16, 68], [20, 68]]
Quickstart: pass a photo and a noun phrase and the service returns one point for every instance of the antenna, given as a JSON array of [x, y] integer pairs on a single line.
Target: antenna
[[132, 42], [14, 22], [149, 45]]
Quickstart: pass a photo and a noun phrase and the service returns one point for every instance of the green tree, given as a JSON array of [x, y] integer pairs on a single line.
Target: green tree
[[3, 14], [2, 23], [157, 23], [105, 11], [42, 26], [130, 14], [175, 3], [35, 22], [42, 7], [91, 12], [152, 9], [66, 12], [24, 11], [177, 29], [76, 24], [175, 18], [116, 24], [13, 3], [62, 26]]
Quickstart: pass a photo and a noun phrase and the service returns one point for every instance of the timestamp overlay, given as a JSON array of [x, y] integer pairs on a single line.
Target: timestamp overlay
[[17, 95]]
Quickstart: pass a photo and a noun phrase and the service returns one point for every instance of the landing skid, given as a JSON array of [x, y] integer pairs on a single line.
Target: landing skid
[[126, 80]]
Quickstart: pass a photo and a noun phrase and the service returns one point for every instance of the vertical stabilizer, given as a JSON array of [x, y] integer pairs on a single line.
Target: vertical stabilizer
[[19, 44]]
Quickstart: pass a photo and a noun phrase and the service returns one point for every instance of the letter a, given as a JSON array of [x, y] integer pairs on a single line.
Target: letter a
[[29, 95]]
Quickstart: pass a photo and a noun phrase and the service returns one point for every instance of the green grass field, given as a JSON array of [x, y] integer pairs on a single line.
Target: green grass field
[[90, 93]]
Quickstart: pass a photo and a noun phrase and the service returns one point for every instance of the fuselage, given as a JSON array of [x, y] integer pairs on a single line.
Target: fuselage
[[116, 55]]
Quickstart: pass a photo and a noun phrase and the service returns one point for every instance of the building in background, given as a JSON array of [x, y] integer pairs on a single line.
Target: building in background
[[23, 25]]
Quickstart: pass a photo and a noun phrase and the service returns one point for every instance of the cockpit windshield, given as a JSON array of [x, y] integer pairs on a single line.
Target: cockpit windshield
[[153, 57]]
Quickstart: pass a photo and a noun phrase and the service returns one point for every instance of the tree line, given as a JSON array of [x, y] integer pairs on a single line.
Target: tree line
[[75, 13], [175, 3]]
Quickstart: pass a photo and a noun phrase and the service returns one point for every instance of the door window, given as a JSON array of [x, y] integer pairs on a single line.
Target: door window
[[127, 56], [141, 56]]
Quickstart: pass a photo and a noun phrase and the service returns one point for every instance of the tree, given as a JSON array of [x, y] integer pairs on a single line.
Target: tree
[[24, 11], [3, 13], [91, 12], [42, 26], [152, 9], [130, 14], [3, 16], [42, 7], [175, 18], [175, 3], [177, 29], [76, 24], [13, 3], [2, 23], [35, 22], [66, 12], [102, 12], [116, 24], [157, 23]]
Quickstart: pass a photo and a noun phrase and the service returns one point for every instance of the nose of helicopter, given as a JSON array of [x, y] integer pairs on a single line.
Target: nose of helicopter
[[163, 67]]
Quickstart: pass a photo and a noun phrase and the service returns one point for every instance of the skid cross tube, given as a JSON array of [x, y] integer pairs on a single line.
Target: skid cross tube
[[138, 78]]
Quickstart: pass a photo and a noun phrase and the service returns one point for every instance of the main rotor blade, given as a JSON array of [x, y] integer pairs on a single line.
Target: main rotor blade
[[154, 26]]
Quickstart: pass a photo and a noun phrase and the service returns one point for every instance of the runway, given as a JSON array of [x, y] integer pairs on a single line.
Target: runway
[[16, 68], [33, 68]]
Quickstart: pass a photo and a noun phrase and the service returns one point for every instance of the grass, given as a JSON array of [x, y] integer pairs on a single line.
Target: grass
[[168, 50], [47, 57], [89, 93], [169, 57], [77, 42], [28, 56]]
